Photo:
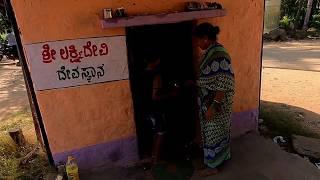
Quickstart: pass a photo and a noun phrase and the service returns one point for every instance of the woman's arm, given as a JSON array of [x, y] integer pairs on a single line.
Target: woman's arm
[[216, 105], [219, 96]]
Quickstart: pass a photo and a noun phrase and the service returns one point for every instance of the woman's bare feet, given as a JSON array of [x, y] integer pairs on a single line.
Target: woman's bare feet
[[208, 172]]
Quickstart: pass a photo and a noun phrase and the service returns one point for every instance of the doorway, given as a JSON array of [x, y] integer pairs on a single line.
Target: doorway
[[173, 42]]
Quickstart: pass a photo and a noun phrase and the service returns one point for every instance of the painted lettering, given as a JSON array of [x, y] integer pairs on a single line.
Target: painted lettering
[[104, 49], [61, 74], [48, 55], [100, 72]]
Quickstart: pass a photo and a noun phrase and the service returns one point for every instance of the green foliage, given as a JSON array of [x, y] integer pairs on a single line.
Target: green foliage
[[296, 10], [3, 38], [285, 22], [290, 7], [315, 22], [4, 24]]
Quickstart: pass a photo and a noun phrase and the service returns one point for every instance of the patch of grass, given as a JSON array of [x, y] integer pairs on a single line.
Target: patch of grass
[[21, 119], [10, 154], [283, 123], [8, 162]]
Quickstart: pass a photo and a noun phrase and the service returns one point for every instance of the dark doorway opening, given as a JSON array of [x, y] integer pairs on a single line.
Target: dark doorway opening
[[174, 44]]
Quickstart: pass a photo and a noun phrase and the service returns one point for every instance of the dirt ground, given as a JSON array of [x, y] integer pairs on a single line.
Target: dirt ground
[[15, 113], [291, 75], [299, 55], [13, 96]]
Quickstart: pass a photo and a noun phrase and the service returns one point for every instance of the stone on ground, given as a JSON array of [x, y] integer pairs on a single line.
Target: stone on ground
[[307, 146], [277, 34], [313, 32], [301, 34]]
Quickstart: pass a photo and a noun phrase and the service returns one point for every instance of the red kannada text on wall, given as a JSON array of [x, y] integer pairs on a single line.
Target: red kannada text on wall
[[73, 55]]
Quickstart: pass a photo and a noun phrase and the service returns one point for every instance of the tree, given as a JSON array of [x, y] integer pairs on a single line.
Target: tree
[[4, 23], [294, 10], [299, 11], [308, 13]]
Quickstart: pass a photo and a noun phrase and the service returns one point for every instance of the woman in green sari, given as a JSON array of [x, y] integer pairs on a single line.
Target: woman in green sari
[[216, 90]]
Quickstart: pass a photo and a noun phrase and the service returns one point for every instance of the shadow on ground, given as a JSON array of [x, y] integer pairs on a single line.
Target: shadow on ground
[[295, 54], [13, 95], [300, 55]]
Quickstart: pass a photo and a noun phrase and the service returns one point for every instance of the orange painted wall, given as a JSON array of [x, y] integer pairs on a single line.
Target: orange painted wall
[[69, 122], [82, 116]]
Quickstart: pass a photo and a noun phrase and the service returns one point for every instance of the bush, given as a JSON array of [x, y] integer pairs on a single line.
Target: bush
[[286, 22], [3, 38], [4, 24], [315, 22], [296, 9]]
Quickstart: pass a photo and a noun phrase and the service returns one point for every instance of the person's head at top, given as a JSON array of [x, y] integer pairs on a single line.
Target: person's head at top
[[206, 35], [9, 31], [153, 61]]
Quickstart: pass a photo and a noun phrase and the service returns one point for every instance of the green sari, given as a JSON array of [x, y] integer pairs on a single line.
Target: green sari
[[216, 74]]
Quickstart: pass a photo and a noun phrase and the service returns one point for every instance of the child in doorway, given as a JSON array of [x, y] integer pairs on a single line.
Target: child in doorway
[[156, 97]]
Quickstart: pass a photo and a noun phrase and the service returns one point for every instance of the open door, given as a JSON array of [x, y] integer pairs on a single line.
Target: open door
[[174, 43]]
